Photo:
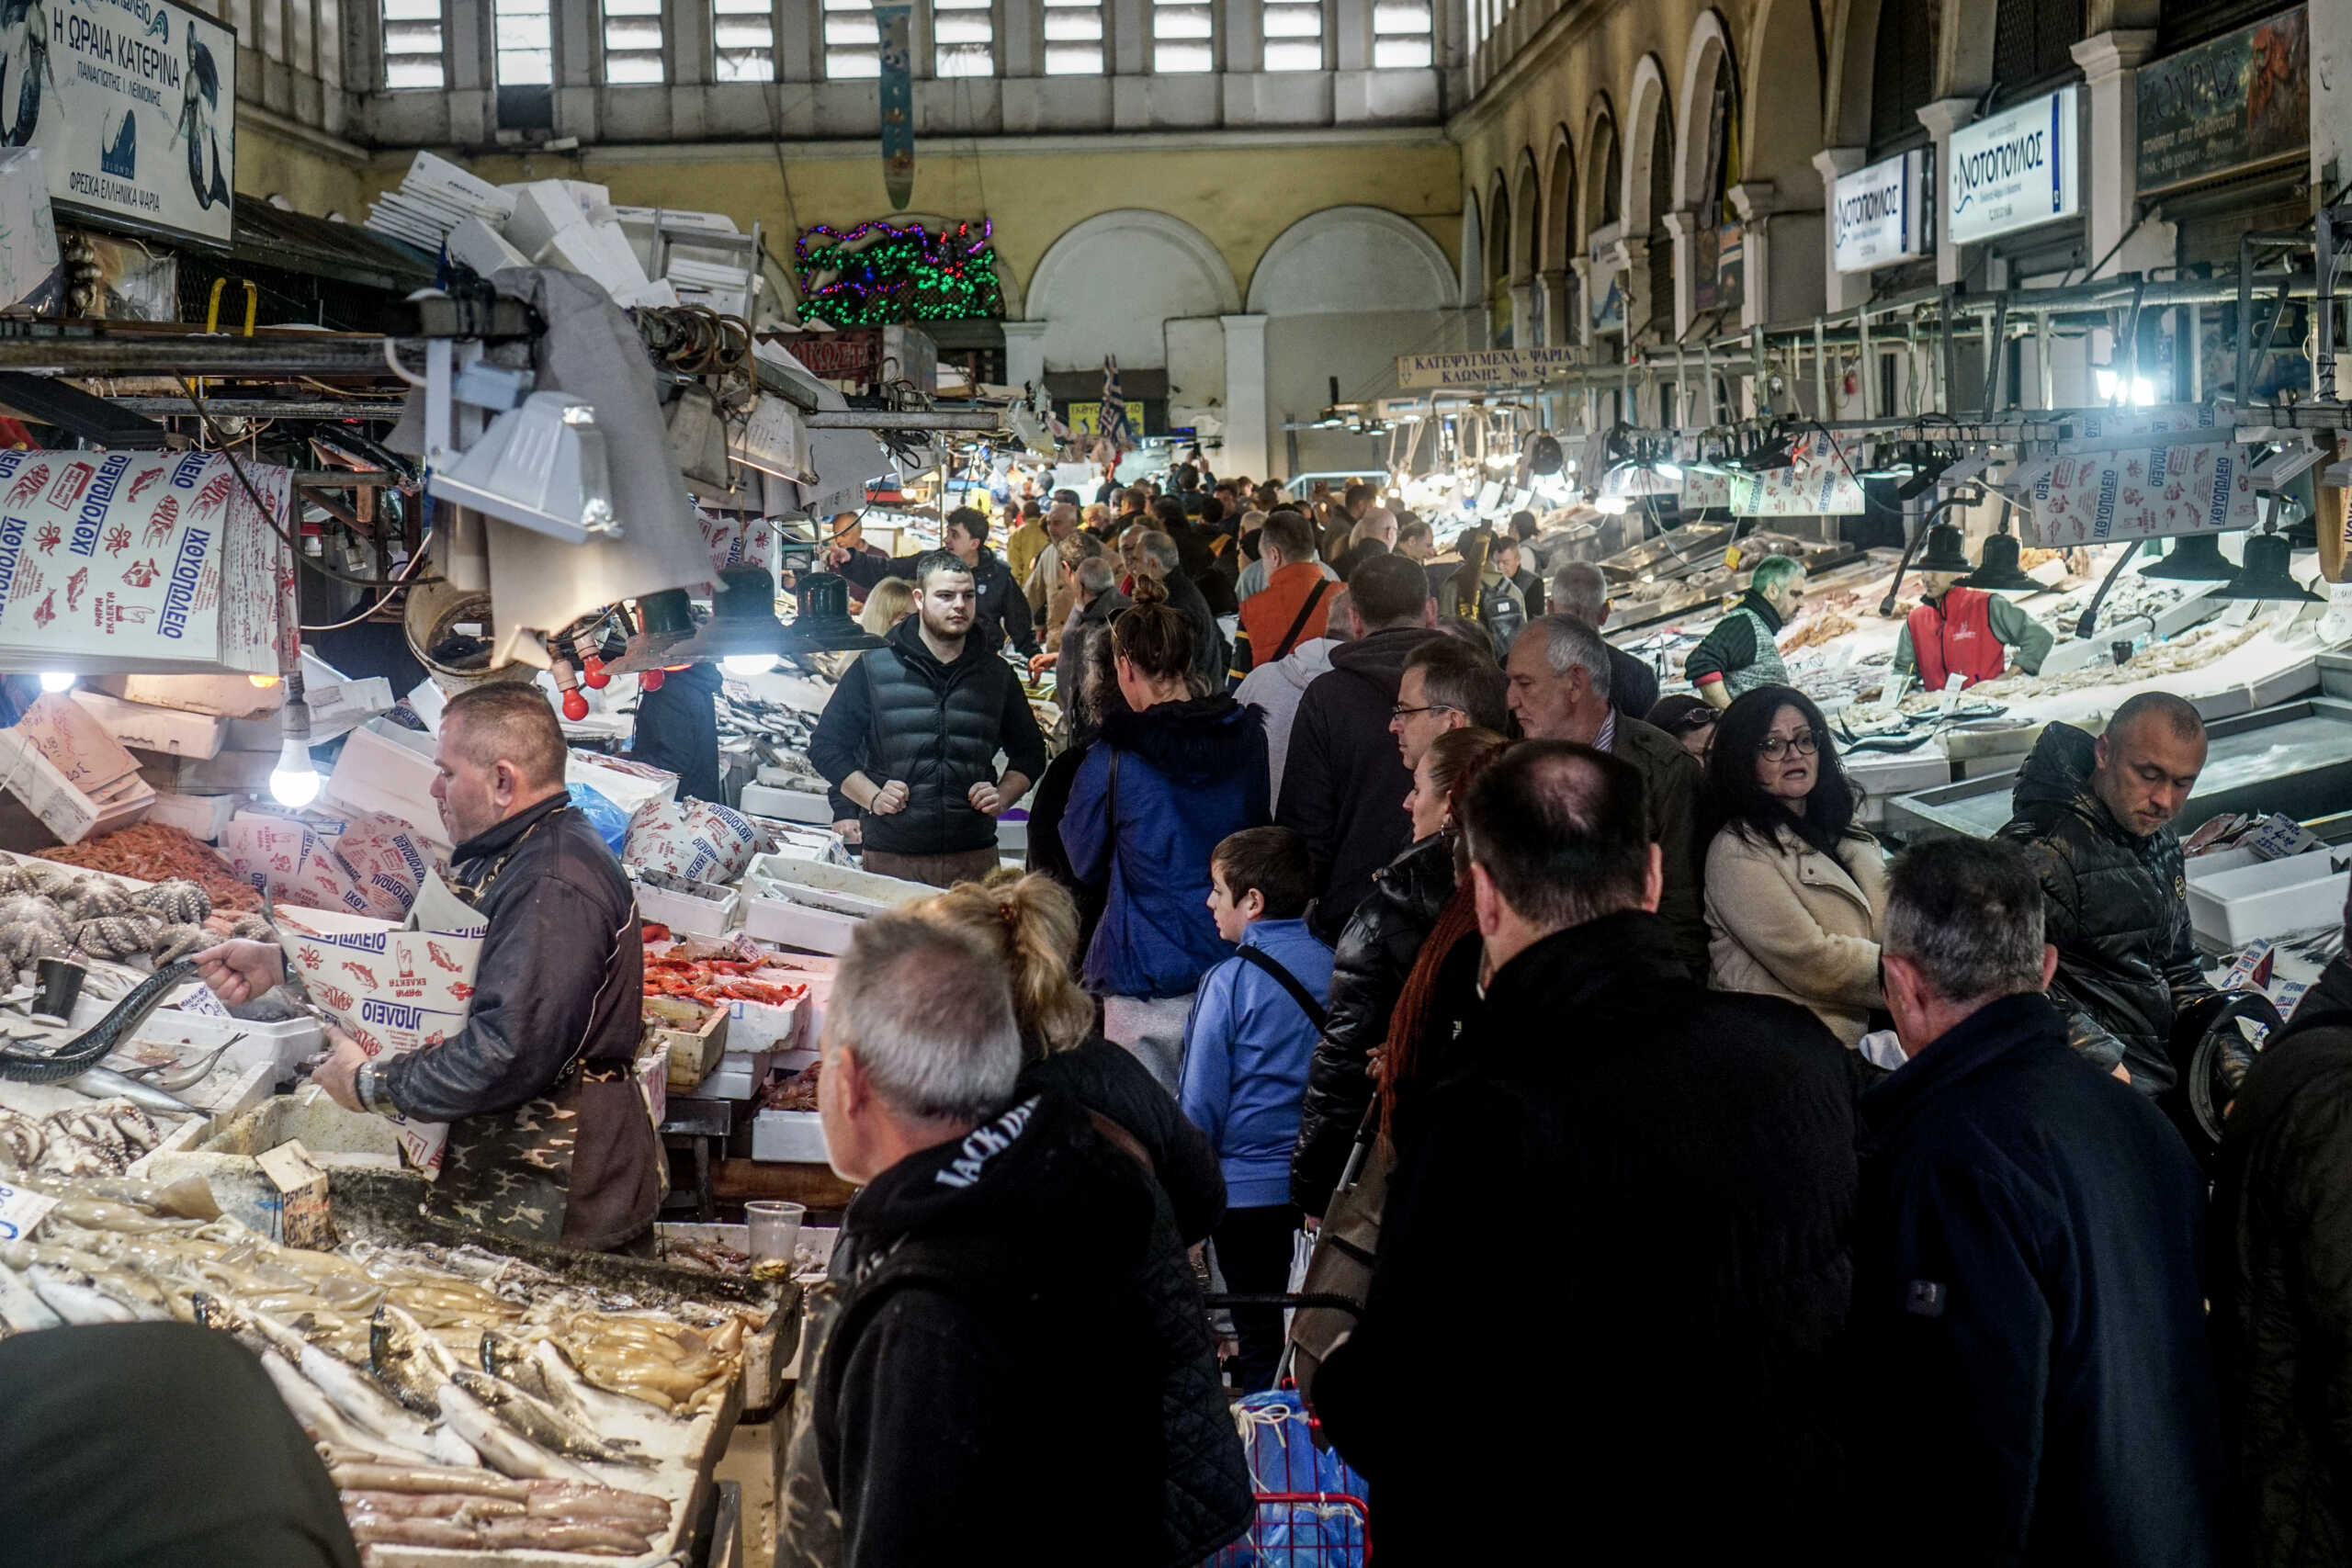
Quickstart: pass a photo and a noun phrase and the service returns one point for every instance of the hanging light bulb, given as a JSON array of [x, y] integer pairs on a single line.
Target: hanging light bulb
[[1666, 470], [575, 707], [261, 682], [57, 679], [747, 663], [593, 673], [651, 679], [295, 780]]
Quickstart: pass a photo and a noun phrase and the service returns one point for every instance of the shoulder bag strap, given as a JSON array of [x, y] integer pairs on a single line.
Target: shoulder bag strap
[[1261, 959], [1290, 637]]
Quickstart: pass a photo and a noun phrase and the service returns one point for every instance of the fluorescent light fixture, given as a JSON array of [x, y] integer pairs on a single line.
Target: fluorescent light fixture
[[541, 467], [1669, 470], [747, 663], [1614, 505], [57, 679]]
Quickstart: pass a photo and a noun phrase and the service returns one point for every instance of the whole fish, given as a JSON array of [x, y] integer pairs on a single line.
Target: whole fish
[[75, 1296], [501, 1447], [543, 1422], [407, 1359], [374, 1410], [104, 1083], [21, 1308], [546, 1372], [317, 1416]]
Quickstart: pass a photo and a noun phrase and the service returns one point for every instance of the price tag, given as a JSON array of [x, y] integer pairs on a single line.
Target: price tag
[[21, 1212]]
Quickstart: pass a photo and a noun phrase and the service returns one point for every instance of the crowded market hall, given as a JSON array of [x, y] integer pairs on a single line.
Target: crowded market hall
[[1303, 783]]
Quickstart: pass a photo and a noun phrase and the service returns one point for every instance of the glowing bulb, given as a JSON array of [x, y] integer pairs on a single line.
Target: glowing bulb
[[57, 679], [295, 781], [1666, 470], [593, 673], [263, 683], [1614, 505], [651, 679], [747, 663]]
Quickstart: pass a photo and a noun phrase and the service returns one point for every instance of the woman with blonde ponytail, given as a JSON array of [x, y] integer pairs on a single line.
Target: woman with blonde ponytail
[[1033, 920]]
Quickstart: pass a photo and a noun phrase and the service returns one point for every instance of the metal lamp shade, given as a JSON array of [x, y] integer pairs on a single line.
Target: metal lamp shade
[[1944, 553], [2264, 574], [2000, 572], [2195, 558]]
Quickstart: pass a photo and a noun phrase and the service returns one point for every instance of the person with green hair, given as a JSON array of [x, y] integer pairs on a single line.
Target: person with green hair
[[1740, 654]]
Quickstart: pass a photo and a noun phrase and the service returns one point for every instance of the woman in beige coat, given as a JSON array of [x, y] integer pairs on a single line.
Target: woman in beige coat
[[1795, 886]]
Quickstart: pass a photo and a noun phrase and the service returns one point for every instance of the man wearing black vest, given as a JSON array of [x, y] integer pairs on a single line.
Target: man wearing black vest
[[913, 734]]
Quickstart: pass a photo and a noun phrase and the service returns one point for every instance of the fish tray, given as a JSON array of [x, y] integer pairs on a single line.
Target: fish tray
[[835, 887]]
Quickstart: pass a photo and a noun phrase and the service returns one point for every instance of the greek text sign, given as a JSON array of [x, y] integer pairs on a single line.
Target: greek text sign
[[2014, 170], [2188, 486], [1879, 214], [1487, 368], [134, 105]]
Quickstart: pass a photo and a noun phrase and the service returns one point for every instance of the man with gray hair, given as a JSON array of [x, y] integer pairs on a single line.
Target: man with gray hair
[[1581, 589], [997, 1242], [1157, 555], [1560, 679], [2028, 1296]]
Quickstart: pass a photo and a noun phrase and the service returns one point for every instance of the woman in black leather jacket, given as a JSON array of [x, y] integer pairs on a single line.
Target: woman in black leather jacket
[[1373, 955]]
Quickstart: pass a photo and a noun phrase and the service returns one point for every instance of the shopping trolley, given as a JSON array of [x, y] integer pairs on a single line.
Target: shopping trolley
[[1311, 1511]]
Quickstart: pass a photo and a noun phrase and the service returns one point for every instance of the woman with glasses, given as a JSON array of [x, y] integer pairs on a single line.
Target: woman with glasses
[[1795, 886]]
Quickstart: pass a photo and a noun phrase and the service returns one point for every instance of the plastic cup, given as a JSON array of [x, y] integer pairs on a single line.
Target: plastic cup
[[60, 987], [776, 1229]]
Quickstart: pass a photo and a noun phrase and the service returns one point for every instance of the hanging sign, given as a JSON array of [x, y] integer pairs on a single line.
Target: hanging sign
[[2142, 493], [1483, 368], [892, 20], [1880, 213], [134, 105], [2014, 170], [2242, 99], [1819, 482]]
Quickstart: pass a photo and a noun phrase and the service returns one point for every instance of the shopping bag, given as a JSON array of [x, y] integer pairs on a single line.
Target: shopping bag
[[1317, 1516]]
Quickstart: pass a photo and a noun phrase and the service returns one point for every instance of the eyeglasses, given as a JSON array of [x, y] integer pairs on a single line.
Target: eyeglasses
[[1776, 747], [1401, 711]]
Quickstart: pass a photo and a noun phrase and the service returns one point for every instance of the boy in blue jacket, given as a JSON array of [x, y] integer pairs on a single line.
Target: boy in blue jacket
[[1253, 1026]]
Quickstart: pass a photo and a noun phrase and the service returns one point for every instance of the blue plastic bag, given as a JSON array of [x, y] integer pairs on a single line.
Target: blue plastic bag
[[1327, 1532], [609, 820]]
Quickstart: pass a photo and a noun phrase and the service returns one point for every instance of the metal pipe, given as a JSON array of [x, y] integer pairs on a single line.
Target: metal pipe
[[1821, 409], [2048, 370], [1946, 358], [1996, 356], [1870, 362], [2323, 262]]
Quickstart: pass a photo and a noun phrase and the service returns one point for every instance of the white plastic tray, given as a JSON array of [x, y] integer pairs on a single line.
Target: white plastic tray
[[2231, 905], [836, 887]]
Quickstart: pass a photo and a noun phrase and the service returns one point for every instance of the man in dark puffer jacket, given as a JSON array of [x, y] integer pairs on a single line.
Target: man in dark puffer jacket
[[911, 734], [997, 1251], [2280, 1250], [2094, 819]]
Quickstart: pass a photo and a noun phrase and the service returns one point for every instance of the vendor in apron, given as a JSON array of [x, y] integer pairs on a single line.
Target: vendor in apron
[[1960, 629], [549, 1138], [1741, 653]]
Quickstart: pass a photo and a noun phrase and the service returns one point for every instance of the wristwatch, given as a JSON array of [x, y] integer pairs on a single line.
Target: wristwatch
[[362, 1087]]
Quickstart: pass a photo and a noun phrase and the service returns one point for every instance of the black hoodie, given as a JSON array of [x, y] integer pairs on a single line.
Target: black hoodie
[[1012, 1334], [1344, 780]]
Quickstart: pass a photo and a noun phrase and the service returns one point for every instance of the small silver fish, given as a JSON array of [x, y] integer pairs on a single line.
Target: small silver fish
[[104, 1083]]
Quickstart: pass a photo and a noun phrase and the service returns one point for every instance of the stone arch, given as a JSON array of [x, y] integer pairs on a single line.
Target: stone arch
[[1650, 113], [1561, 240], [1527, 211], [1781, 142], [1604, 188], [1708, 52], [1965, 48], [1853, 43], [1498, 233], [1112, 283], [1346, 260]]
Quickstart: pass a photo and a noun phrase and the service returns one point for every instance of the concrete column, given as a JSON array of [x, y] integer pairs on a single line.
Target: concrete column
[[1246, 436], [1129, 23], [1350, 21], [1559, 326], [1631, 257], [1682, 226], [798, 49], [1024, 351], [1753, 201], [1942, 117], [1020, 31], [2110, 161], [1842, 290], [1526, 326], [1588, 278]]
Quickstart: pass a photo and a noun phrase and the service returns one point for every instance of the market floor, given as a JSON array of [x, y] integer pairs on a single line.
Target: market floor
[[754, 1456]]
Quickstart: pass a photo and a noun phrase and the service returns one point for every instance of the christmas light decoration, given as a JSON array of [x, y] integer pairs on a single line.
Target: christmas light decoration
[[880, 273]]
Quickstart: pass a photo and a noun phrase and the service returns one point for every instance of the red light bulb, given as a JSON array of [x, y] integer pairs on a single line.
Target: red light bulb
[[649, 679], [575, 707], [593, 673]]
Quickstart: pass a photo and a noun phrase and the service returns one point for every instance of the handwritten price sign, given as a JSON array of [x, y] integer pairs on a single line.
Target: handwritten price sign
[[21, 1212]]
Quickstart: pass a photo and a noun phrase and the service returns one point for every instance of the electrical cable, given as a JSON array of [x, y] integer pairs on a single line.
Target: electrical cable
[[263, 506]]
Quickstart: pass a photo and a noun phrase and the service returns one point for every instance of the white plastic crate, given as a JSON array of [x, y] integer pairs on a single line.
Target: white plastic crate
[[686, 912], [795, 1138], [2233, 902]]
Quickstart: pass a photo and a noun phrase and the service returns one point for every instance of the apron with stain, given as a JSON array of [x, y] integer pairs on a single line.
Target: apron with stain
[[521, 1173], [1766, 669]]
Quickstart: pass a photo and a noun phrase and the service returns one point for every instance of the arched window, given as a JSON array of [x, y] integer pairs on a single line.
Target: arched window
[[1608, 169], [1903, 78], [2033, 42], [1661, 322]]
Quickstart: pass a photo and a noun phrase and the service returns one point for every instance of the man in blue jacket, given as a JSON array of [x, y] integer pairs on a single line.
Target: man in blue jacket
[[2028, 1300], [1253, 1027]]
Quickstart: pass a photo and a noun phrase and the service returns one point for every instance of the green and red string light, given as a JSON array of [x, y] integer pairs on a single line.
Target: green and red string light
[[880, 273]]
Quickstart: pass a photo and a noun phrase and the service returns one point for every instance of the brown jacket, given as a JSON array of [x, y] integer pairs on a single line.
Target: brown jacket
[[1790, 921]]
